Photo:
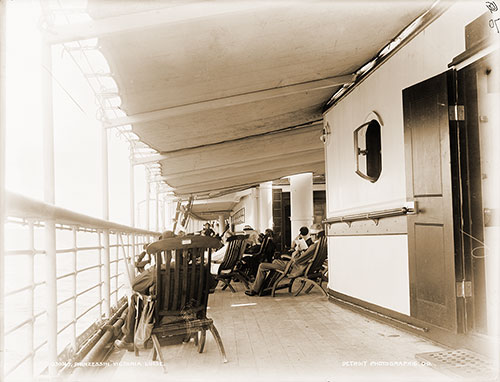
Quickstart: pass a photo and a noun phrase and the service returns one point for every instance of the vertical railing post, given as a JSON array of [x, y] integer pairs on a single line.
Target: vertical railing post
[[107, 273], [74, 287], [157, 208], [3, 109], [132, 189], [99, 261], [105, 216], [116, 267], [31, 295], [49, 197]]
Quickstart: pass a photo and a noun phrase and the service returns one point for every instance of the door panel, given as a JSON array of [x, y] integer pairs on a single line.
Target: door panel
[[430, 232]]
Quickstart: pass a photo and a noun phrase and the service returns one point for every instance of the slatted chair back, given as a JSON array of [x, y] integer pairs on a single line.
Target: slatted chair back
[[234, 251], [319, 257], [182, 270], [266, 253]]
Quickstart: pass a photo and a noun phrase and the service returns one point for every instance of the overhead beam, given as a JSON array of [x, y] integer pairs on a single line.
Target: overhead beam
[[234, 100], [143, 20], [258, 177], [241, 167]]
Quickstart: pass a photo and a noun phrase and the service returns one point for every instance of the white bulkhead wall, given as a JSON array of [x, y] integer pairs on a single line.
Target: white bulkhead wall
[[375, 268]]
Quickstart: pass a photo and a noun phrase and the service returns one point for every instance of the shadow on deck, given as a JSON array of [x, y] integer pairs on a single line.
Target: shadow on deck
[[286, 338]]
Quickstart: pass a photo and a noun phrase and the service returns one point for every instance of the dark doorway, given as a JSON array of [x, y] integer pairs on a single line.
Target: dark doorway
[[477, 89]]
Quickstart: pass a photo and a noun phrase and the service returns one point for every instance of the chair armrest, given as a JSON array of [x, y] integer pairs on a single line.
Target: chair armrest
[[287, 257]]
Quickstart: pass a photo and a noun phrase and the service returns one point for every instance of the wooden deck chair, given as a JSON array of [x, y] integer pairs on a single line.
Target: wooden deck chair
[[252, 261], [313, 274], [228, 269], [181, 291]]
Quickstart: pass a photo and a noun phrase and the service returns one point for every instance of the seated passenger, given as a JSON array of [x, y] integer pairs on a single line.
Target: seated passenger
[[218, 256], [143, 259], [299, 263], [207, 230]]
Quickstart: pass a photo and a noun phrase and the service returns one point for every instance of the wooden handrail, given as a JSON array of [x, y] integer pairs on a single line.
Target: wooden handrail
[[20, 206]]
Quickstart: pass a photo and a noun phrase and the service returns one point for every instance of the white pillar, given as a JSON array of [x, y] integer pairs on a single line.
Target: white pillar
[[49, 198], [254, 203], [301, 201], [3, 108], [265, 206], [148, 191], [222, 224]]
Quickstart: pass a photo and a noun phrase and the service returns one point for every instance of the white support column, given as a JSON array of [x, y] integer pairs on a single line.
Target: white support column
[[157, 208], [3, 109], [301, 201], [221, 224], [49, 197], [74, 287], [254, 220], [265, 206], [162, 215], [148, 191]]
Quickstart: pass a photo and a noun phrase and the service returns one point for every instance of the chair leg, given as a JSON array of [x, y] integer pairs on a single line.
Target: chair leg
[[201, 342], [195, 336], [313, 284], [302, 285], [273, 291], [156, 346], [231, 287], [309, 288], [216, 335]]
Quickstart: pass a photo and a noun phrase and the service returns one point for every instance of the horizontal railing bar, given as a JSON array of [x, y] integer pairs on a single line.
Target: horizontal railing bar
[[373, 215], [88, 268], [115, 261], [65, 275], [31, 286], [29, 355], [66, 300], [89, 289], [24, 207], [20, 325], [77, 249], [88, 310], [25, 252], [66, 326], [117, 275]]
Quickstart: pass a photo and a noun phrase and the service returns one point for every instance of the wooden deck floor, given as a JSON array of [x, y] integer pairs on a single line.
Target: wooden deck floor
[[286, 338]]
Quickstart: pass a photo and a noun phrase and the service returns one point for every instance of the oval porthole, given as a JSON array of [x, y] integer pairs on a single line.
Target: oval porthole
[[367, 148]]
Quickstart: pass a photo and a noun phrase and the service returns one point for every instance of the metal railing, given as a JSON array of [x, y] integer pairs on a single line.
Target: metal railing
[[94, 263], [375, 216]]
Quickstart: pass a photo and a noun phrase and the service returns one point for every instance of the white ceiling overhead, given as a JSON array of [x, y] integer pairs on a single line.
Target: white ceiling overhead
[[231, 93]]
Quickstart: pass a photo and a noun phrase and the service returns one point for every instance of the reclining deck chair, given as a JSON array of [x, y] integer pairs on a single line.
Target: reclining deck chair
[[228, 269], [251, 262], [313, 274], [181, 293]]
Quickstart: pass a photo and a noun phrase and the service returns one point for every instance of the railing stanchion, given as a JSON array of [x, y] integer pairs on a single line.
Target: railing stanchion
[[3, 108], [99, 261], [74, 287], [31, 270], [107, 273], [49, 197]]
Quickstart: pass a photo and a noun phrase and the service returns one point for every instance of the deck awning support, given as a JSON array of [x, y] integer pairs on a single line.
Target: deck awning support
[[3, 108], [49, 198]]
